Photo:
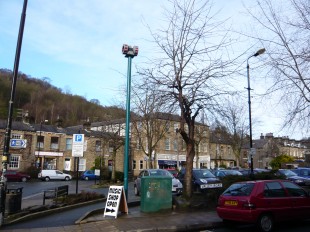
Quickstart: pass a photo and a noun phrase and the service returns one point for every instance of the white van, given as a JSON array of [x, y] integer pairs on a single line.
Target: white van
[[53, 175]]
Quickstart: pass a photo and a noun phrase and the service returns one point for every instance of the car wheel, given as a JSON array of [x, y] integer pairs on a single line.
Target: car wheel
[[86, 178], [136, 191], [24, 179], [265, 223], [47, 178], [67, 178]]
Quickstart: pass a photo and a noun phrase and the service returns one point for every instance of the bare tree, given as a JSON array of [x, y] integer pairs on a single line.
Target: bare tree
[[285, 33], [237, 124], [190, 70], [150, 128]]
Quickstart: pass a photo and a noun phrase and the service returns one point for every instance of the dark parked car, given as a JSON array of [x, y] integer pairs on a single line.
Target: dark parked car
[[12, 175], [255, 171], [202, 179], [264, 202], [226, 172], [303, 172], [177, 186], [89, 175], [292, 176]]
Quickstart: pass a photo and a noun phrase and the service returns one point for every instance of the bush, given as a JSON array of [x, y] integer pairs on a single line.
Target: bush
[[33, 172], [82, 197]]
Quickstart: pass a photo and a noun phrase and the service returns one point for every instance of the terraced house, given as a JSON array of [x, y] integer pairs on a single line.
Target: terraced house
[[50, 147]]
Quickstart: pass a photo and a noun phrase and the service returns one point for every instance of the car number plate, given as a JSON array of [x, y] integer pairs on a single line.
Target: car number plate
[[218, 185], [233, 203]]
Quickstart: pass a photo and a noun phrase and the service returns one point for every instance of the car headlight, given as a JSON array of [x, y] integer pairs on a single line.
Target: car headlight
[[204, 181], [299, 181]]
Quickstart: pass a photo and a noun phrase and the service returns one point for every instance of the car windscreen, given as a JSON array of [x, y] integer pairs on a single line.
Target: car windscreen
[[160, 173], [287, 172], [203, 174], [239, 189]]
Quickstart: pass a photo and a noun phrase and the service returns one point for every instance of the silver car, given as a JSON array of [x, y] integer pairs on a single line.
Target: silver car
[[177, 186]]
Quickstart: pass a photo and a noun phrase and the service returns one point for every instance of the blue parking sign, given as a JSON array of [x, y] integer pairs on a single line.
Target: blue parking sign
[[78, 137]]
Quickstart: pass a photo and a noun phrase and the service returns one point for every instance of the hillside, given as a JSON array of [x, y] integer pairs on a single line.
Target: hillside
[[38, 100]]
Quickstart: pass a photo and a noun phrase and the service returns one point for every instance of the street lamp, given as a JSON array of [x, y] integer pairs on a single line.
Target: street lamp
[[130, 53], [39, 143], [259, 52], [7, 137]]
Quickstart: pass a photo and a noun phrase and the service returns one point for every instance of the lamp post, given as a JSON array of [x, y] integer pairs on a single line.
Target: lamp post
[[130, 53], [259, 52], [39, 148], [7, 137]]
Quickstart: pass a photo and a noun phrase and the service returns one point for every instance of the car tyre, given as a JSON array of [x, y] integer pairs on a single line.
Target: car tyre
[[265, 223], [47, 178], [136, 191], [67, 178], [86, 178], [24, 179]]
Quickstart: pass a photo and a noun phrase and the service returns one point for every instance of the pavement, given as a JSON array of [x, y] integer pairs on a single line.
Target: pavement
[[136, 220]]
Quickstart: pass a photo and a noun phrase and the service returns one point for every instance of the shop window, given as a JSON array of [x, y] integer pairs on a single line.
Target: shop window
[[14, 162], [54, 142], [69, 144], [98, 145], [40, 141], [134, 165], [167, 144], [141, 164]]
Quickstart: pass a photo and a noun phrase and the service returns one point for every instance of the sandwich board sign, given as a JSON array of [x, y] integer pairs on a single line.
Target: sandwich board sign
[[116, 201]]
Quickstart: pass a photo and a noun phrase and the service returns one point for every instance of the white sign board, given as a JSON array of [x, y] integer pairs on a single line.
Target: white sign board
[[116, 200], [97, 172], [78, 145]]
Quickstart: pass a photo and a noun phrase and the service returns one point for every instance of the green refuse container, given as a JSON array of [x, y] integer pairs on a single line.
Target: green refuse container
[[13, 200], [155, 193]]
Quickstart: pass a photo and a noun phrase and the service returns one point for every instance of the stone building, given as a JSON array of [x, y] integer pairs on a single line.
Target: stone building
[[50, 147], [268, 147], [159, 130]]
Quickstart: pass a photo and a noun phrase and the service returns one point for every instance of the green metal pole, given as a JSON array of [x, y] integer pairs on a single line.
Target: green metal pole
[[126, 154]]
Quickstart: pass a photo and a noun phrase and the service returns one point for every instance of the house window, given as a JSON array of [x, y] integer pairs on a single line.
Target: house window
[[167, 144], [138, 144], [176, 127], [98, 145], [16, 136], [141, 164], [14, 162], [69, 144], [134, 165], [175, 145], [82, 164], [40, 141], [167, 127], [54, 143]]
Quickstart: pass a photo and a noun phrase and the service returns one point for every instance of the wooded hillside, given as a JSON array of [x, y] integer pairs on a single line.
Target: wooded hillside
[[37, 100]]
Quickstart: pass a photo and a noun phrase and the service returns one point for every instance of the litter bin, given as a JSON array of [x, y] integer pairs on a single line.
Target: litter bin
[[156, 193], [13, 200]]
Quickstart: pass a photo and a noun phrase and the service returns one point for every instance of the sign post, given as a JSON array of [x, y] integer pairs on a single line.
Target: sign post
[[77, 152]]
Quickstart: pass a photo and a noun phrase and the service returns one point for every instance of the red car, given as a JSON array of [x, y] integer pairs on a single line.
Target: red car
[[264, 202], [12, 175]]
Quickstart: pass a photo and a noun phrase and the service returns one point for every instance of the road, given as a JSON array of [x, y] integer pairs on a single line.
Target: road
[[69, 217], [284, 227]]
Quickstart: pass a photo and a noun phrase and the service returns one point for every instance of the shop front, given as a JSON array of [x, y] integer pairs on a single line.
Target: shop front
[[48, 160]]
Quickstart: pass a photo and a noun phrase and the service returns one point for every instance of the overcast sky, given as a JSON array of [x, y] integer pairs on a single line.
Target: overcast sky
[[77, 44]]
